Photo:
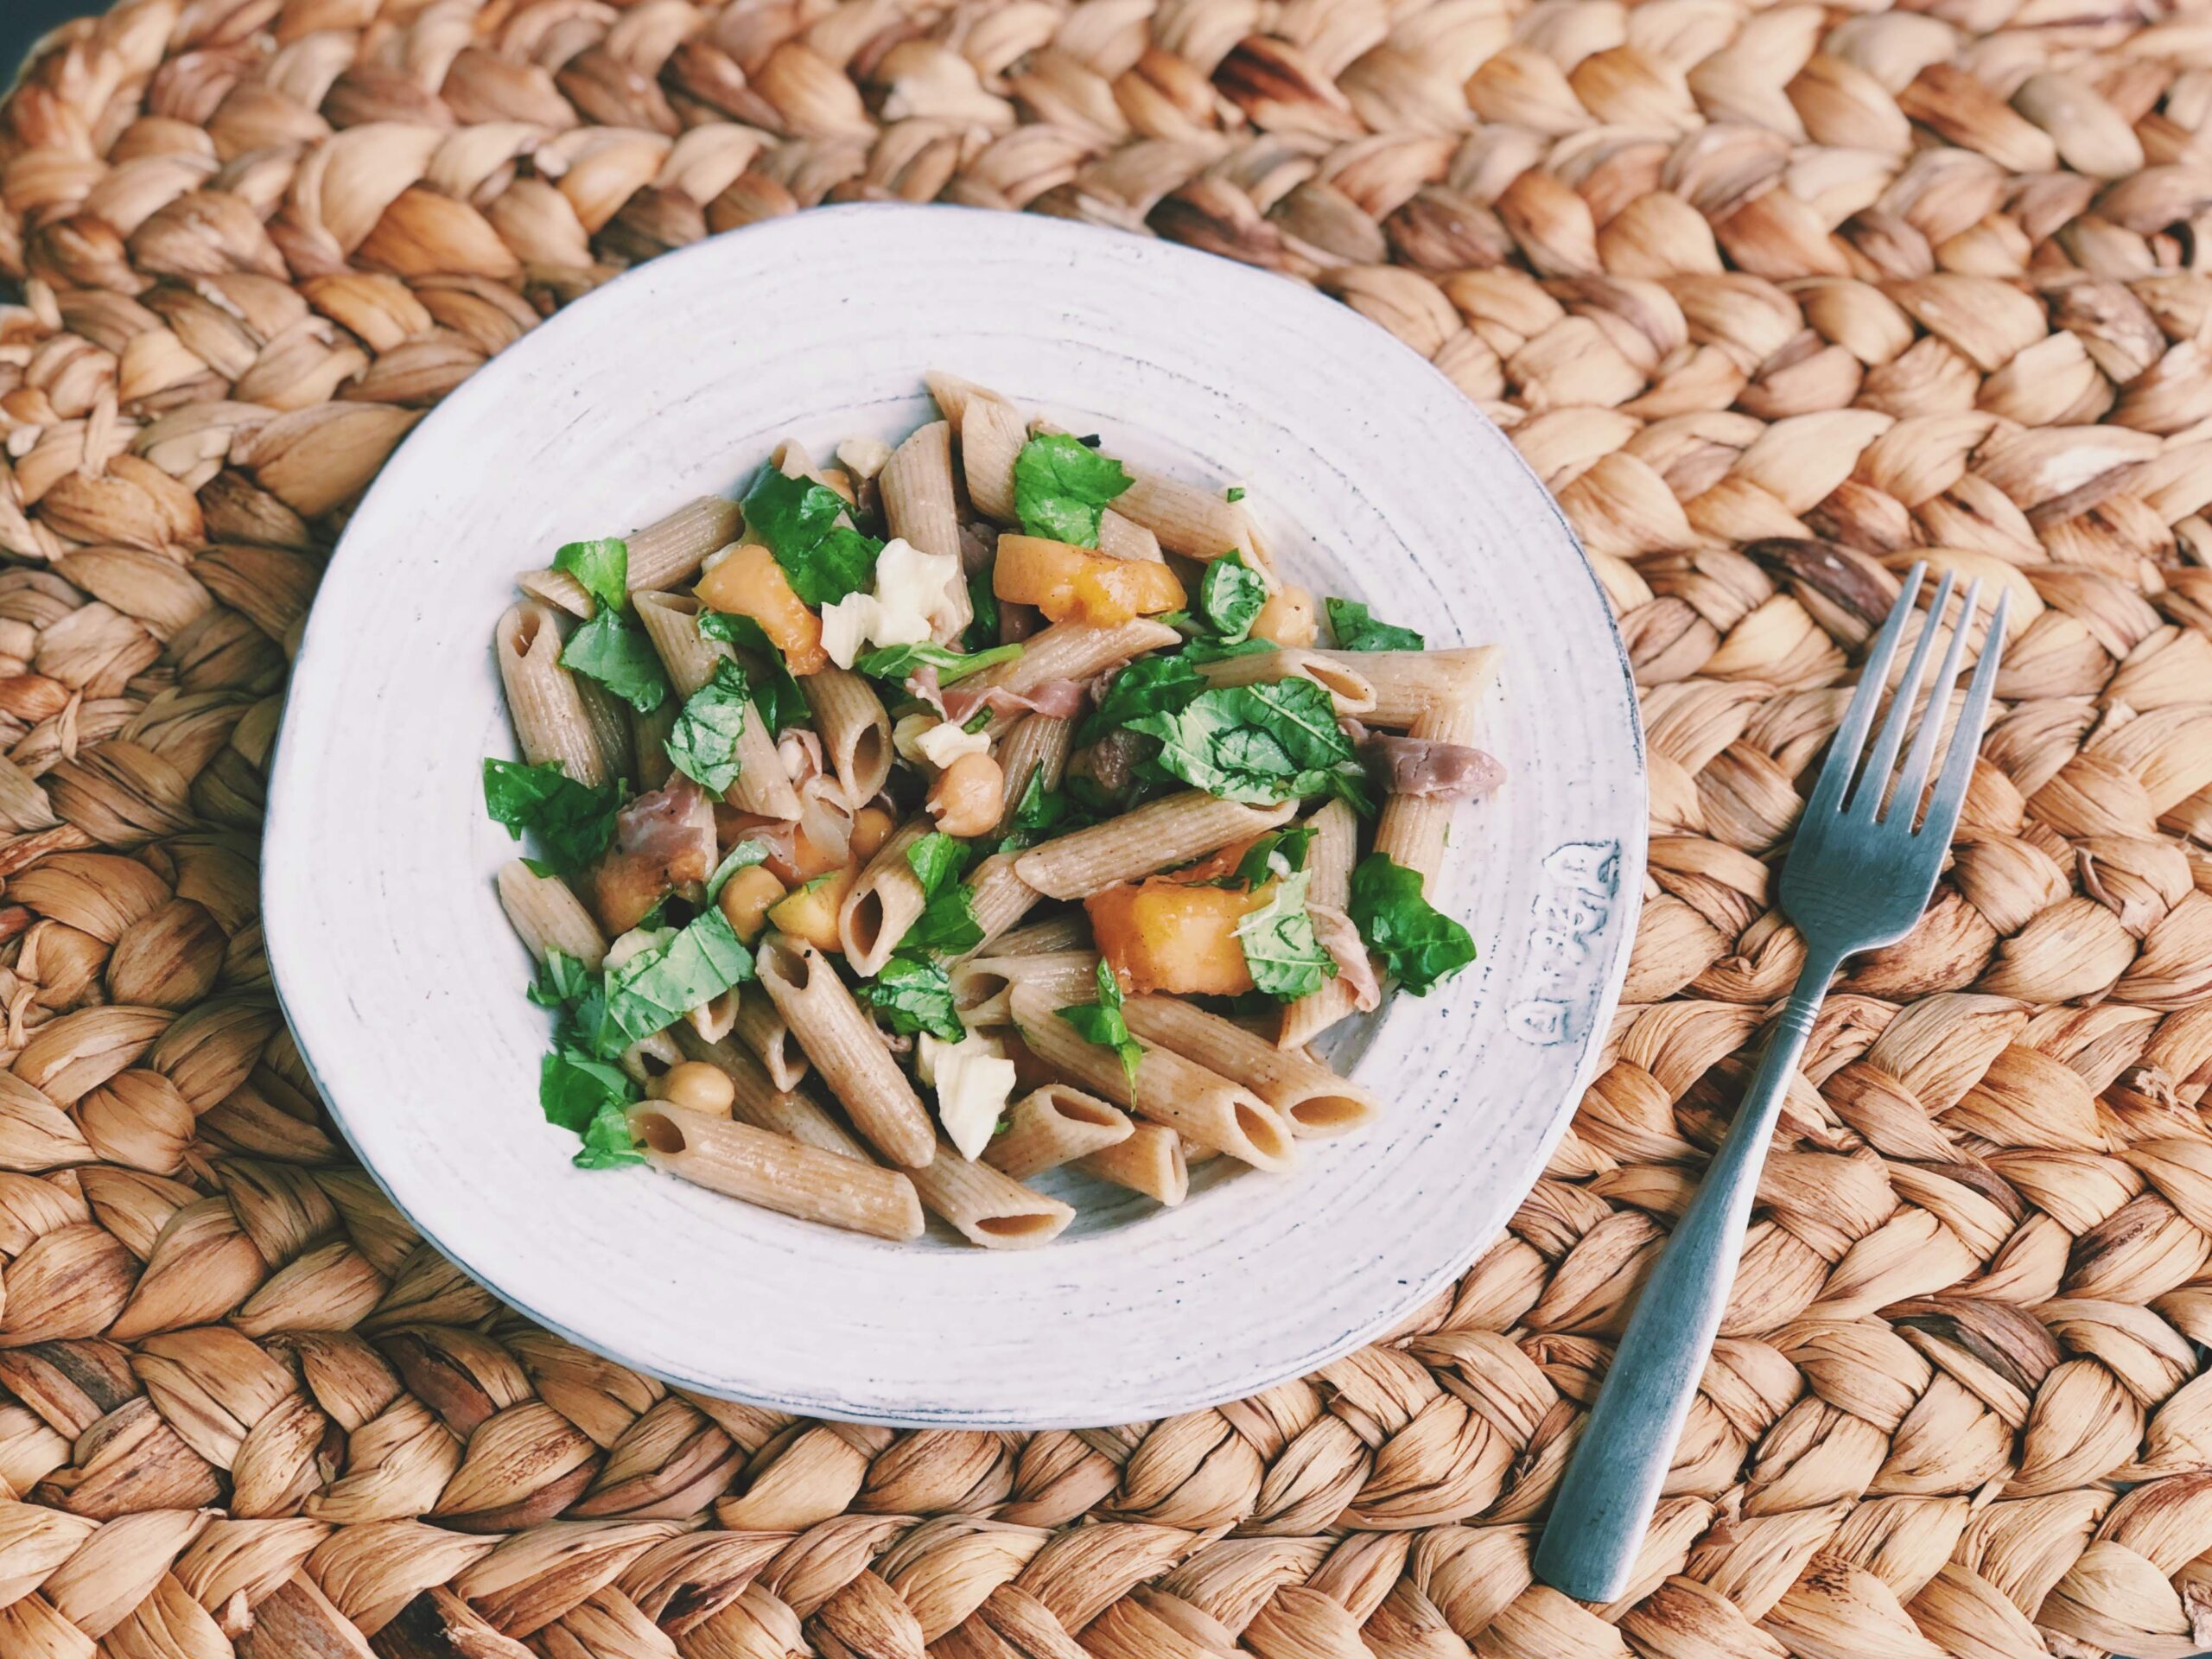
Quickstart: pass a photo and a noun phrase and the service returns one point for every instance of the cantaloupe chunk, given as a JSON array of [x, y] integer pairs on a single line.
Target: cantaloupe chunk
[[749, 582], [1070, 583], [810, 914], [1160, 935]]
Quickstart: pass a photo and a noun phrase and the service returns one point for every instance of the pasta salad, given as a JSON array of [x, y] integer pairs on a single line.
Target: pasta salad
[[943, 815]]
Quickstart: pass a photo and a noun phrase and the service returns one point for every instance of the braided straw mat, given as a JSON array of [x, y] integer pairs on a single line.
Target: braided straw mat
[[1775, 299]]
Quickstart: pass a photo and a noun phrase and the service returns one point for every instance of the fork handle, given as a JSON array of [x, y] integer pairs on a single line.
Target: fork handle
[[1603, 1503]]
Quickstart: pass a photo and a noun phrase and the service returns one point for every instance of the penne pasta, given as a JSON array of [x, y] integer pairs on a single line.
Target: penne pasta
[[671, 622], [842, 1042], [1160, 833], [748, 1077], [1195, 1102], [712, 1019], [987, 1206], [1070, 932], [608, 716], [855, 732], [991, 435], [884, 903], [1036, 748], [1149, 1161], [1329, 858], [1409, 683], [920, 505], [1413, 829], [1350, 690], [661, 555], [1316, 1100], [983, 986], [1055, 1125], [547, 916], [1001, 898], [543, 702], [777, 1173], [1123, 538], [1069, 650], [1199, 524], [760, 1027]]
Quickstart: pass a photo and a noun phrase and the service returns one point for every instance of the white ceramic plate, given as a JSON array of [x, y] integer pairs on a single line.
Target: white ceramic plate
[[1372, 478]]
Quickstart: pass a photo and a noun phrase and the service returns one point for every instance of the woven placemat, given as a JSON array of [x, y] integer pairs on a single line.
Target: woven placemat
[[1772, 299]]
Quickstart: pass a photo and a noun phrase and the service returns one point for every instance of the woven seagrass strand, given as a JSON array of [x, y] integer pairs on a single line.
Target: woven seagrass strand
[[1775, 300]]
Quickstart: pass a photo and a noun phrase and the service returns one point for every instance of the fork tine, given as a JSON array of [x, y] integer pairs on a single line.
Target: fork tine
[[1943, 806], [1913, 777], [1874, 782], [1850, 738]]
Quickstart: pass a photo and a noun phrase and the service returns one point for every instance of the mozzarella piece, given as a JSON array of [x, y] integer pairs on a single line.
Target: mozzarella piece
[[910, 591], [944, 743], [846, 626], [973, 1080]]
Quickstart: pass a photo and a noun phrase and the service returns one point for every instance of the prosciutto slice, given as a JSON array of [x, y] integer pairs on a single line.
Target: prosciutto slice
[[1056, 699], [672, 829], [1334, 932], [1432, 771]]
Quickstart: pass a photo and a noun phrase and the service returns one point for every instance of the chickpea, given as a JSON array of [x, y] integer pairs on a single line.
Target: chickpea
[[872, 827], [1286, 619], [969, 796], [696, 1086], [745, 898]]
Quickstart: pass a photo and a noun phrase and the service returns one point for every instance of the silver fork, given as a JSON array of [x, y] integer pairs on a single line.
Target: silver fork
[[1858, 877]]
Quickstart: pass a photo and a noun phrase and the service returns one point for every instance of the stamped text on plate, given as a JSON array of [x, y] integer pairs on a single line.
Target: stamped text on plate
[[1574, 905]]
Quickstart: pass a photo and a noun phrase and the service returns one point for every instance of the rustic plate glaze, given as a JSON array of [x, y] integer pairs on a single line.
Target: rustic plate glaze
[[1372, 477]]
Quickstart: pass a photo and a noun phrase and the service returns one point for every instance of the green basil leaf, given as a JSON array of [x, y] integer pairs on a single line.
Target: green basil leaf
[[1061, 487], [776, 694], [1101, 1022], [739, 857], [614, 650], [1218, 650], [573, 822], [947, 926], [1147, 686], [1354, 630], [938, 861], [897, 662], [982, 632], [1285, 959], [1417, 943], [798, 520], [607, 1141], [601, 569], [1230, 594], [1255, 870], [573, 1087], [914, 994], [560, 981], [657, 987], [1275, 741], [703, 744], [1042, 813]]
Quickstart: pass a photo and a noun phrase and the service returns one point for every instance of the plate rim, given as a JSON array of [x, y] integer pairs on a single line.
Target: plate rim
[[292, 756]]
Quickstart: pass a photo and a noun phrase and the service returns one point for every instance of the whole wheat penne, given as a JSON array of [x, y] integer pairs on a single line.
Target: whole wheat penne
[[992, 433], [856, 731], [1413, 827], [1329, 858], [987, 1206], [609, 719], [543, 704], [1150, 1161], [743, 1069], [1001, 898], [661, 555], [1124, 539], [760, 1026], [776, 1173], [983, 985], [1055, 1125], [884, 902], [649, 1057], [804, 1120], [1199, 524], [671, 622], [1347, 687], [712, 1019], [1069, 932], [1171, 830], [1069, 650], [1036, 748], [920, 505], [1316, 1100], [1409, 683], [548, 916], [843, 1045], [1183, 1095]]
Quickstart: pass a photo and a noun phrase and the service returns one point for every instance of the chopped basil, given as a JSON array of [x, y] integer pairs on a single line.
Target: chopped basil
[[797, 520], [1230, 594], [947, 926], [1042, 813], [1256, 869], [936, 861], [573, 822], [982, 632], [1061, 487], [1101, 1022], [1274, 741], [775, 693], [1356, 630], [1284, 958], [562, 980], [656, 988], [739, 857], [573, 1086], [612, 649], [703, 745], [1418, 945], [601, 570], [1147, 686], [607, 1141], [897, 662], [1220, 651], [914, 993], [1236, 493]]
